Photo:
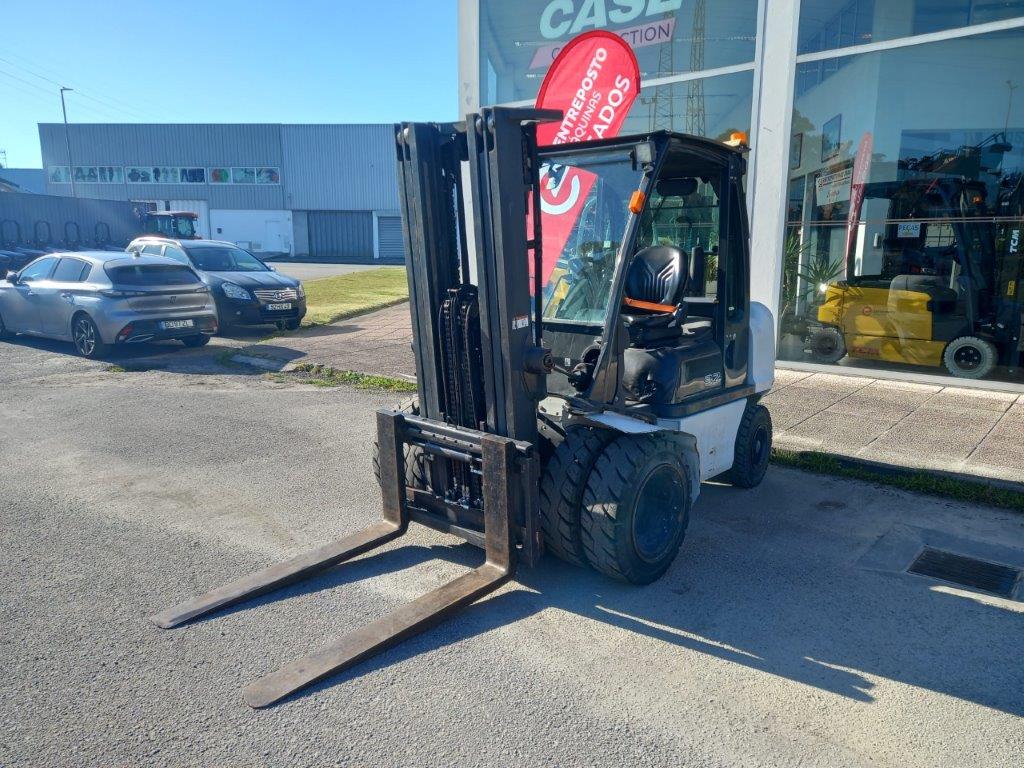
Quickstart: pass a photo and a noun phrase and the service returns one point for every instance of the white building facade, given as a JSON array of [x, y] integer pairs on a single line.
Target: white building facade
[[887, 140]]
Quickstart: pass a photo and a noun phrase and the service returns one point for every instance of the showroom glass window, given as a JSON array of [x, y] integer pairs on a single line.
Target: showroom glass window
[[518, 41], [829, 24], [671, 38], [906, 200]]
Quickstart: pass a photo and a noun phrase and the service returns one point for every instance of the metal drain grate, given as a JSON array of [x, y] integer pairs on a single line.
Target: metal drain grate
[[967, 572]]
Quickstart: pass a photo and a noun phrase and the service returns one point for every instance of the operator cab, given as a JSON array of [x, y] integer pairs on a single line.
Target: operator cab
[[177, 225], [643, 241]]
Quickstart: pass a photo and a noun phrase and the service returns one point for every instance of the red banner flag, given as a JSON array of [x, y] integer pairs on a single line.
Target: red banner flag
[[594, 81], [861, 174]]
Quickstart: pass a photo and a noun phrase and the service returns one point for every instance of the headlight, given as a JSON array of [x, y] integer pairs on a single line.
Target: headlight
[[302, 291], [232, 291]]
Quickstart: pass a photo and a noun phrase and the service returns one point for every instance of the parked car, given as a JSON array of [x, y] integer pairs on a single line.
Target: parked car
[[247, 291], [99, 300]]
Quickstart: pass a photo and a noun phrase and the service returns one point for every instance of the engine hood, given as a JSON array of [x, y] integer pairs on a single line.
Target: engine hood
[[251, 279]]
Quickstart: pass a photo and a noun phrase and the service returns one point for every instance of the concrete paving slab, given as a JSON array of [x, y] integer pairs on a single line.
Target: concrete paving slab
[[994, 452], [888, 407], [831, 430], [955, 398], [784, 378]]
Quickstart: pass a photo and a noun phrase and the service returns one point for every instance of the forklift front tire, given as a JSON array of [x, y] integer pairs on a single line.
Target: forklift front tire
[[970, 357], [415, 466], [827, 345], [564, 479], [636, 507]]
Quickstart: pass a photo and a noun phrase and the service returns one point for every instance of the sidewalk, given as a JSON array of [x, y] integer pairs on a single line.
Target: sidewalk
[[379, 343], [949, 429]]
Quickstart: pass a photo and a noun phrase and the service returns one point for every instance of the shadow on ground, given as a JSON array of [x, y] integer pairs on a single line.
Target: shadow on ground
[[797, 618], [174, 357]]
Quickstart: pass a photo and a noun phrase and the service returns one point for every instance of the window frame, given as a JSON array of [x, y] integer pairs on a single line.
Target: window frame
[[53, 259], [83, 271]]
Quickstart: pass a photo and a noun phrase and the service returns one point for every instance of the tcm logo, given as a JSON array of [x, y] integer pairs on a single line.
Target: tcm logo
[[1015, 241], [562, 17], [559, 190]]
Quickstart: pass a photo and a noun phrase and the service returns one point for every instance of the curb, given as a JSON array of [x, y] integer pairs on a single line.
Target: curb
[[899, 470]]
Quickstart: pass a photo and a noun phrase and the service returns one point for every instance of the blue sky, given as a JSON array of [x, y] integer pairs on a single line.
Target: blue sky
[[192, 61]]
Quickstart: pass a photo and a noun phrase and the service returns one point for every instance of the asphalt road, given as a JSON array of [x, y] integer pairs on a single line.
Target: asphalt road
[[780, 636], [309, 271]]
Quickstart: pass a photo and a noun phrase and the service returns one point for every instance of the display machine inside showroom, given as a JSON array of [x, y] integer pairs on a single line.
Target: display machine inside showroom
[[887, 139]]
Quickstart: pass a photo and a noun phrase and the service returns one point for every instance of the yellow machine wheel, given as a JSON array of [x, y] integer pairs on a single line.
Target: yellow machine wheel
[[970, 357], [827, 345]]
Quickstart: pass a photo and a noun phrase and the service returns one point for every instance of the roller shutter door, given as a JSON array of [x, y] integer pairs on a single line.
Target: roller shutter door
[[341, 234], [390, 239]]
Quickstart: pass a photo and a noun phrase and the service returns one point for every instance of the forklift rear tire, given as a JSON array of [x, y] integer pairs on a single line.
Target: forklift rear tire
[[636, 507], [827, 345], [415, 466], [564, 479], [753, 448], [970, 357]]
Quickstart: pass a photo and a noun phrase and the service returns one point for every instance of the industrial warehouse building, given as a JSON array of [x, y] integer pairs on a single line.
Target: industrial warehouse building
[[887, 148], [322, 191]]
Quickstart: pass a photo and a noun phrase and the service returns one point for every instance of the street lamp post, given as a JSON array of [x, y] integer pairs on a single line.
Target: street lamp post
[[67, 140]]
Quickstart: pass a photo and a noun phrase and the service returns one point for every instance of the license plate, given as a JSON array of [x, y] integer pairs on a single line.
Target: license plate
[[278, 307], [170, 325]]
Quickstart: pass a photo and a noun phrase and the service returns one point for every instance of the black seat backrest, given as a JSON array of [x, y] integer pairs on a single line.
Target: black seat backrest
[[658, 275]]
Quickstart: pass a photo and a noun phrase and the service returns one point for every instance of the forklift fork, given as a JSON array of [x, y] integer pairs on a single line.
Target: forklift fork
[[498, 457]]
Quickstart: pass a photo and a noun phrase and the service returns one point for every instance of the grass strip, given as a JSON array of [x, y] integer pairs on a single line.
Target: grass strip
[[326, 376], [904, 478], [330, 299]]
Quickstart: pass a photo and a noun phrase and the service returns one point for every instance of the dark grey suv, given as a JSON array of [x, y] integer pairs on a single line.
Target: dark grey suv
[[247, 291]]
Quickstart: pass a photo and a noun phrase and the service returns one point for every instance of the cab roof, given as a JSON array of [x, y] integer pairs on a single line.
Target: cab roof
[[185, 214]]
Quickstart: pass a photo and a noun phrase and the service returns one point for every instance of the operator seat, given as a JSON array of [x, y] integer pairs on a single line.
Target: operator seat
[[654, 307]]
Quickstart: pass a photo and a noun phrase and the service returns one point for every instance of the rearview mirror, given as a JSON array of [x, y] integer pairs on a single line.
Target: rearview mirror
[[12, 278]]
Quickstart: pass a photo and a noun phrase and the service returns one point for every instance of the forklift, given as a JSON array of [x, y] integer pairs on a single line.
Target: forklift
[[178, 225], [937, 275], [570, 402]]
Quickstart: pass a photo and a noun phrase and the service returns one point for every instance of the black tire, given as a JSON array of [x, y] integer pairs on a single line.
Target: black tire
[[970, 357], [4, 333], [86, 338], [753, 448], [194, 342], [292, 325], [415, 467], [636, 507], [827, 345], [561, 490]]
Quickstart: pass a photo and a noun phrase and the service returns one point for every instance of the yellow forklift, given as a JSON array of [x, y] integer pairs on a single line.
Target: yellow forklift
[[936, 277]]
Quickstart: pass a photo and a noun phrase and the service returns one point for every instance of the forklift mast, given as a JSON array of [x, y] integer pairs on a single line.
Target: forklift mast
[[480, 363], [480, 368]]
